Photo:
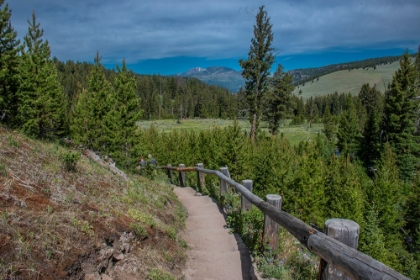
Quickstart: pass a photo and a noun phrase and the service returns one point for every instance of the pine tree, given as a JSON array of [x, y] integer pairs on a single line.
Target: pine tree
[[344, 189], [311, 111], [9, 66], [42, 103], [348, 134], [388, 195], [309, 179], [412, 216], [400, 113], [278, 98], [79, 119], [95, 118], [372, 241], [127, 113], [329, 125], [371, 100], [256, 69]]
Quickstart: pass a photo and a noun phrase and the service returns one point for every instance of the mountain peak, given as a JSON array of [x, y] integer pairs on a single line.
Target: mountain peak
[[194, 71], [217, 75]]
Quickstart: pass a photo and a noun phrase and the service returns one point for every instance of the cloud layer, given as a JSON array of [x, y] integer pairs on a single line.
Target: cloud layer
[[139, 30]]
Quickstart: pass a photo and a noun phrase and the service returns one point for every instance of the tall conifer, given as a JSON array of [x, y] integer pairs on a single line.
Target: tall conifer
[[329, 125], [400, 113], [349, 134], [278, 99], [256, 69], [91, 121], [9, 66], [127, 109], [42, 103], [372, 102]]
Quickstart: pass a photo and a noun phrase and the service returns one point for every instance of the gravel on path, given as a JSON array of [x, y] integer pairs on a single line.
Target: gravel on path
[[214, 253]]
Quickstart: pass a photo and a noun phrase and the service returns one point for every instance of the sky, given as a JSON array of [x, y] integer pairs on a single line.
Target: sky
[[173, 36]]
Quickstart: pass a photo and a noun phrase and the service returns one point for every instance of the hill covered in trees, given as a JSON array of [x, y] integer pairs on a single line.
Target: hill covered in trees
[[364, 166]]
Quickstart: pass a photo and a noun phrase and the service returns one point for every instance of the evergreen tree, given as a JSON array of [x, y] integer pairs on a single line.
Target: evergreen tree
[[400, 113], [309, 179], [387, 194], [256, 69], [311, 111], [348, 134], [79, 118], [102, 101], [9, 66], [372, 241], [412, 216], [344, 189], [371, 100], [42, 103], [128, 112], [278, 98], [329, 125], [95, 115]]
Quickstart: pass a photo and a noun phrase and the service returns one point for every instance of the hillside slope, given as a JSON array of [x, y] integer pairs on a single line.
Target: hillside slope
[[349, 81], [82, 224], [218, 75]]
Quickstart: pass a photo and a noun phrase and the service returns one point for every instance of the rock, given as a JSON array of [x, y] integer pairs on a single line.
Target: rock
[[125, 247], [118, 257], [105, 254], [92, 276], [106, 277], [126, 239]]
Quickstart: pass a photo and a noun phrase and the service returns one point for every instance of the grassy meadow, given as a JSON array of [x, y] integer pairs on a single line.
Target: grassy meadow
[[295, 133], [349, 81]]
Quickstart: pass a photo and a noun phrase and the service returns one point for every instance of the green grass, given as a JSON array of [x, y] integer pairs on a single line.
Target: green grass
[[349, 81], [294, 133], [190, 124]]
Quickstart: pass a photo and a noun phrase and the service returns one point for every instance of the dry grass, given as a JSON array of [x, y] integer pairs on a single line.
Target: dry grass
[[349, 81], [55, 224]]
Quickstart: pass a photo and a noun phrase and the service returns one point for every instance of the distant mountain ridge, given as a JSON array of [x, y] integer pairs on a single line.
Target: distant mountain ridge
[[233, 80], [217, 75]]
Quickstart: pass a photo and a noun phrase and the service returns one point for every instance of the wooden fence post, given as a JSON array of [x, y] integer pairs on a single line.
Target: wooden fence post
[[246, 205], [182, 176], [223, 184], [170, 174], [345, 231], [200, 177], [271, 228]]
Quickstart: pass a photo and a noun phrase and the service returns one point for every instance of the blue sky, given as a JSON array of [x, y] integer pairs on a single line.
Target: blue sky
[[171, 36]]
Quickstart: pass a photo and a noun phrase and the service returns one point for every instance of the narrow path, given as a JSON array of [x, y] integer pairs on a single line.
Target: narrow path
[[214, 253]]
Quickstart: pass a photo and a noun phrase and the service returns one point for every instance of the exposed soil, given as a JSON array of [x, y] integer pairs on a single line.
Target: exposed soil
[[85, 224]]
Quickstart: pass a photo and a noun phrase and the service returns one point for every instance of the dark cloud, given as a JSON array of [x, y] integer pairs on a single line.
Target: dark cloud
[[140, 30]]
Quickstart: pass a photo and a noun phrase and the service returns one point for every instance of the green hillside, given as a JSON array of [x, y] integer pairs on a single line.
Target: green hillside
[[348, 81]]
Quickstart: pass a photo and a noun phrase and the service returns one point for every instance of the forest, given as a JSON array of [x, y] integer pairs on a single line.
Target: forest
[[364, 166]]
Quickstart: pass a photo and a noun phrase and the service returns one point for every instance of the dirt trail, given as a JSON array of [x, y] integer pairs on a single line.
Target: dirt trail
[[214, 253]]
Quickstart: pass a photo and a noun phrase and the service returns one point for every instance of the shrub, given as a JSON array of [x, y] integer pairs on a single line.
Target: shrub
[[70, 160]]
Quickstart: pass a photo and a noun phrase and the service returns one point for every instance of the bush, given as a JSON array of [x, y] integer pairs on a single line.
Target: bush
[[70, 160]]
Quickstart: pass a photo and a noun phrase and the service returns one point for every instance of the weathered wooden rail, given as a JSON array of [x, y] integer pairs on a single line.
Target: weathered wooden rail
[[336, 257]]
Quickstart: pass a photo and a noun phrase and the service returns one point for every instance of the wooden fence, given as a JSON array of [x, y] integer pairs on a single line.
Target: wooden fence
[[337, 248]]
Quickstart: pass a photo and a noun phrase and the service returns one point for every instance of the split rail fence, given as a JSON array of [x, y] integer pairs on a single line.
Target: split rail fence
[[336, 248]]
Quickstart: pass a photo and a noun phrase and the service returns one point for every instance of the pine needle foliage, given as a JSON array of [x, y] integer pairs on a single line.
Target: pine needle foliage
[[400, 114], [124, 115], [256, 69], [9, 66], [95, 116], [41, 99], [278, 99]]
